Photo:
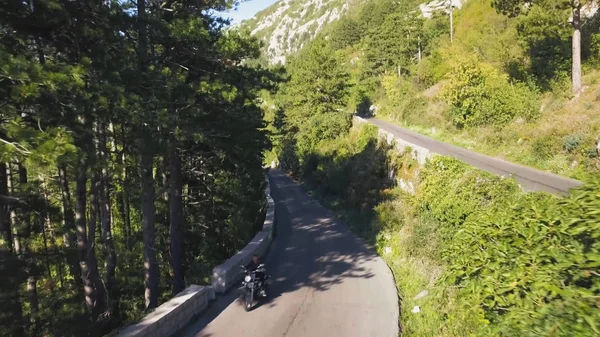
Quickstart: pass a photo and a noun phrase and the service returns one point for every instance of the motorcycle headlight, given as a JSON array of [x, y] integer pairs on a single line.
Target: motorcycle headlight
[[248, 278]]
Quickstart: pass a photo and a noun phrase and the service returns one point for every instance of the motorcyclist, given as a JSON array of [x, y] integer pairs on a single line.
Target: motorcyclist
[[258, 272]]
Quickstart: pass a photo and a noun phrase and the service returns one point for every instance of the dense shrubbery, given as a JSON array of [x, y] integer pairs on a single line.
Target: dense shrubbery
[[527, 260], [480, 95]]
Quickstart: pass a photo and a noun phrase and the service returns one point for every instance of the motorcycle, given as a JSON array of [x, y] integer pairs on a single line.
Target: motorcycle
[[253, 287]]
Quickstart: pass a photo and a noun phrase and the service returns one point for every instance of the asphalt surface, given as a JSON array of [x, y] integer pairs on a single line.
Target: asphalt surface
[[326, 282], [529, 178]]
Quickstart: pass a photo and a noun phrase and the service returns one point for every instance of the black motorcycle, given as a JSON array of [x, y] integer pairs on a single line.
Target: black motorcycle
[[253, 287]]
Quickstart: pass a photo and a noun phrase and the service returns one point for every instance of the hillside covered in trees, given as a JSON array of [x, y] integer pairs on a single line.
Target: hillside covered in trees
[[130, 158], [472, 253], [500, 84]]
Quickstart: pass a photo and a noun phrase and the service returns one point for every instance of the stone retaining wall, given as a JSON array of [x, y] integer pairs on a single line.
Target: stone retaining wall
[[229, 273], [172, 315], [418, 153]]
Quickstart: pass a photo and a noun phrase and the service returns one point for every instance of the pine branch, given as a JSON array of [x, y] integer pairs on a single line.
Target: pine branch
[[17, 146], [12, 200]]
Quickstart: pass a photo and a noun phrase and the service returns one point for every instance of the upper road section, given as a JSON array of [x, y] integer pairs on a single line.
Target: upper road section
[[529, 178]]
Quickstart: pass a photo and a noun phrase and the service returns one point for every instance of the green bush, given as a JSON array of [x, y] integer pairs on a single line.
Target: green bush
[[572, 142], [402, 100], [529, 261], [432, 69], [397, 90], [540, 278], [481, 95], [451, 191], [413, 110], [352, 167], [543, 148]]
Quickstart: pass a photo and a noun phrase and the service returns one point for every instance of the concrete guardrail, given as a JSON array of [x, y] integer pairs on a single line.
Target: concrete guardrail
[[174, 314]]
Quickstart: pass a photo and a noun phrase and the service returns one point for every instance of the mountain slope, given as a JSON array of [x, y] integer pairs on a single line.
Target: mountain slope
[[288, 24]]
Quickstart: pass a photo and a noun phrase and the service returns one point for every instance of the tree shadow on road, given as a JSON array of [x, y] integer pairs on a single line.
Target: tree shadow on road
[[314, 250]]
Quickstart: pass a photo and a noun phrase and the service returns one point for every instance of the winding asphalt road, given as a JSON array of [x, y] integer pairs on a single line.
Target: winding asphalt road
[[326, 282], [529, 178]]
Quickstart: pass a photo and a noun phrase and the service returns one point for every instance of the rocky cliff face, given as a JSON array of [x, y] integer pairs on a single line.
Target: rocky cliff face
[[287, 25]]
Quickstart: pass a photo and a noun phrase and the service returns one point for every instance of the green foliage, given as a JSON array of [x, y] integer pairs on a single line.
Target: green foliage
[[543, 148], [432, 68], [572, 142], [345, 33], [356, 172], [373, 14], [434, 29], [314, 100], [84, 95], [548, 41], [395, 43], [451, 191], [538, 280], [317, 83], [480, 95], [403, 102], [591, 41], [397, 90], [353, 167]]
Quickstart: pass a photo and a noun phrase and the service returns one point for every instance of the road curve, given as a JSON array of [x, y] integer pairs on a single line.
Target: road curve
[[529, 178], [326, 283]]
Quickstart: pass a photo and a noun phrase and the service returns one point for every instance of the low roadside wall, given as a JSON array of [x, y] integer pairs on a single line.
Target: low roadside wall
[[229, 272], [172, 315], [418, 153]]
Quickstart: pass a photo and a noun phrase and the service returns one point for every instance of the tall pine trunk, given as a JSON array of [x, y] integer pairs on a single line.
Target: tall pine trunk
[[123, 197], [105, 215], [70, 240], [148, 217], [99, 290], [5, 224], [11, 315], [576, 48], [82, 242], [32, 297], [126, 208], [25, 235], [147, 179], [177, 220], [15, 225]]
